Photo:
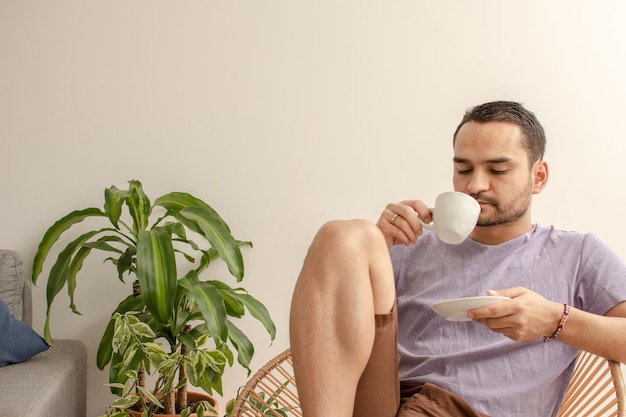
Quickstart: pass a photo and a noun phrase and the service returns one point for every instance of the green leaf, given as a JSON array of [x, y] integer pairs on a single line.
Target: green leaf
[[188, 340], [201, 218], [113, 200], [125, 262], [130, 383], [121, 337], [130, 303], [191, 278], [211, 305], [143, 330], [218, 236], [158, 356], [101, 244], [150, 397], [55, 231], [125, 403], [117, 372], [205, 370], [129, 354], [177, 229], [234, 307], [200, 334], [259, 312], [176, 201], [60, 273], [180, 384], [75, 266], [229, 406], [138, 205], [228, 354], [245, 348], [156, 271]]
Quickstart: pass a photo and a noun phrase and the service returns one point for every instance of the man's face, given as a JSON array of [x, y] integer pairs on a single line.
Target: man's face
[[491, 165]]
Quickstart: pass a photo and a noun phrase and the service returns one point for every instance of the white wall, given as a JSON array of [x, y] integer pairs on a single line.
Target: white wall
[[284, 114]]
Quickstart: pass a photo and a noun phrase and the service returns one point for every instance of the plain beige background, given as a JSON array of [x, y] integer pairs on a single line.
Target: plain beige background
[[284, 114]]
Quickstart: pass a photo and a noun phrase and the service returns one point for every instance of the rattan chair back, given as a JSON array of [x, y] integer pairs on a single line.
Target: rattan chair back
[[271, 392], [595, 390]]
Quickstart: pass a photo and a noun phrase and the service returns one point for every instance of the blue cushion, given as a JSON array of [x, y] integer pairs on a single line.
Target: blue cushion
[[18, 341]]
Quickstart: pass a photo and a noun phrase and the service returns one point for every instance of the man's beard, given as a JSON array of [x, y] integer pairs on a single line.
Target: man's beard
[[511, 212]]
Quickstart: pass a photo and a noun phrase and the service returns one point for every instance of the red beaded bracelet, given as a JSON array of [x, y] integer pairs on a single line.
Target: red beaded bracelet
[[559, 328]]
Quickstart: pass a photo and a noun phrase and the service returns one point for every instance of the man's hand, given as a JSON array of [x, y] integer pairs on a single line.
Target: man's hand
[[400, 222], [527, 316]]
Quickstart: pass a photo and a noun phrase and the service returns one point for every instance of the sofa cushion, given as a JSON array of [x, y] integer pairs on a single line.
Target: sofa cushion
[[18, 342], [12, 282], [50, 384]]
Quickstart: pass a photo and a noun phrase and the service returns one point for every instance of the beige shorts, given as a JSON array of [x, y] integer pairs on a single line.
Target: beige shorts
[[379, 393]]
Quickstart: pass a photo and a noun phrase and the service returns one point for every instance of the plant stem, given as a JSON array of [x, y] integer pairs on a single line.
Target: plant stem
[[181, 396], [169, 403], [141, 381]]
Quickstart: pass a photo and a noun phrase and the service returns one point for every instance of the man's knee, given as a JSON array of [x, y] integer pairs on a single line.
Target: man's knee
[[348, 235]]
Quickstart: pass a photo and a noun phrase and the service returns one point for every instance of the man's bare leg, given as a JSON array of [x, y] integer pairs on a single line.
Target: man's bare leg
[[346, 278]]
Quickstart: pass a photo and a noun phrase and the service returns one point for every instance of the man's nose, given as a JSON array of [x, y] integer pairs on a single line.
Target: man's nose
[[479, 182]]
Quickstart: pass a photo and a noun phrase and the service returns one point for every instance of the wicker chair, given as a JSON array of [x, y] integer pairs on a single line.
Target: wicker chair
[[270, 392], [596, 390]]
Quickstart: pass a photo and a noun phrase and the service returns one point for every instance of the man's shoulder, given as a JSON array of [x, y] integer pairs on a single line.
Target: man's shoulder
[[565, 233], [567, 239], [554, 233]]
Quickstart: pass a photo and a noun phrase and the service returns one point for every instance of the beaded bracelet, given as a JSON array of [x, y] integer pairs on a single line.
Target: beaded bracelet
[[559, 328]]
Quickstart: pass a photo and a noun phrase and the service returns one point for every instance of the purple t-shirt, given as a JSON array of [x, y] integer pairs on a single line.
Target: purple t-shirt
[[496, 375]]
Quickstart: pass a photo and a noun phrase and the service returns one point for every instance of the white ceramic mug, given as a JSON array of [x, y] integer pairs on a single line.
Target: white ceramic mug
[[454, 217]]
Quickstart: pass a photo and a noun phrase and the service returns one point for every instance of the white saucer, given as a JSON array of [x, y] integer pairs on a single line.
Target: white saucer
[[456, 309]]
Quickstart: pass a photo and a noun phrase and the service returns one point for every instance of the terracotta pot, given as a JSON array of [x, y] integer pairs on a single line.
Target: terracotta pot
[[191, 397]]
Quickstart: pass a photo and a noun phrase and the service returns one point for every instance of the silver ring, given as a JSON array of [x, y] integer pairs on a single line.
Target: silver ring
[[393, 219]]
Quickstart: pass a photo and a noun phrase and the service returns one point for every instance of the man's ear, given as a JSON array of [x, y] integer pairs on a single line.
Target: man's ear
[[539, 176]]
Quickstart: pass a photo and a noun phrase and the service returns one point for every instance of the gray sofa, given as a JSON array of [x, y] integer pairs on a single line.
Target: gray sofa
[[52, 383]]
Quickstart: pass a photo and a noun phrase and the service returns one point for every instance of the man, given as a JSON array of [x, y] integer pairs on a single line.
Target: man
[[361, 303]]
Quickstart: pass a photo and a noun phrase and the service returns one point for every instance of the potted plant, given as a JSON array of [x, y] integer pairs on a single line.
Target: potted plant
[[174, 325]]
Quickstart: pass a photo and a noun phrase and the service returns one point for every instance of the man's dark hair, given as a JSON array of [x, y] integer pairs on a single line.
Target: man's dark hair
[[534, 138]]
